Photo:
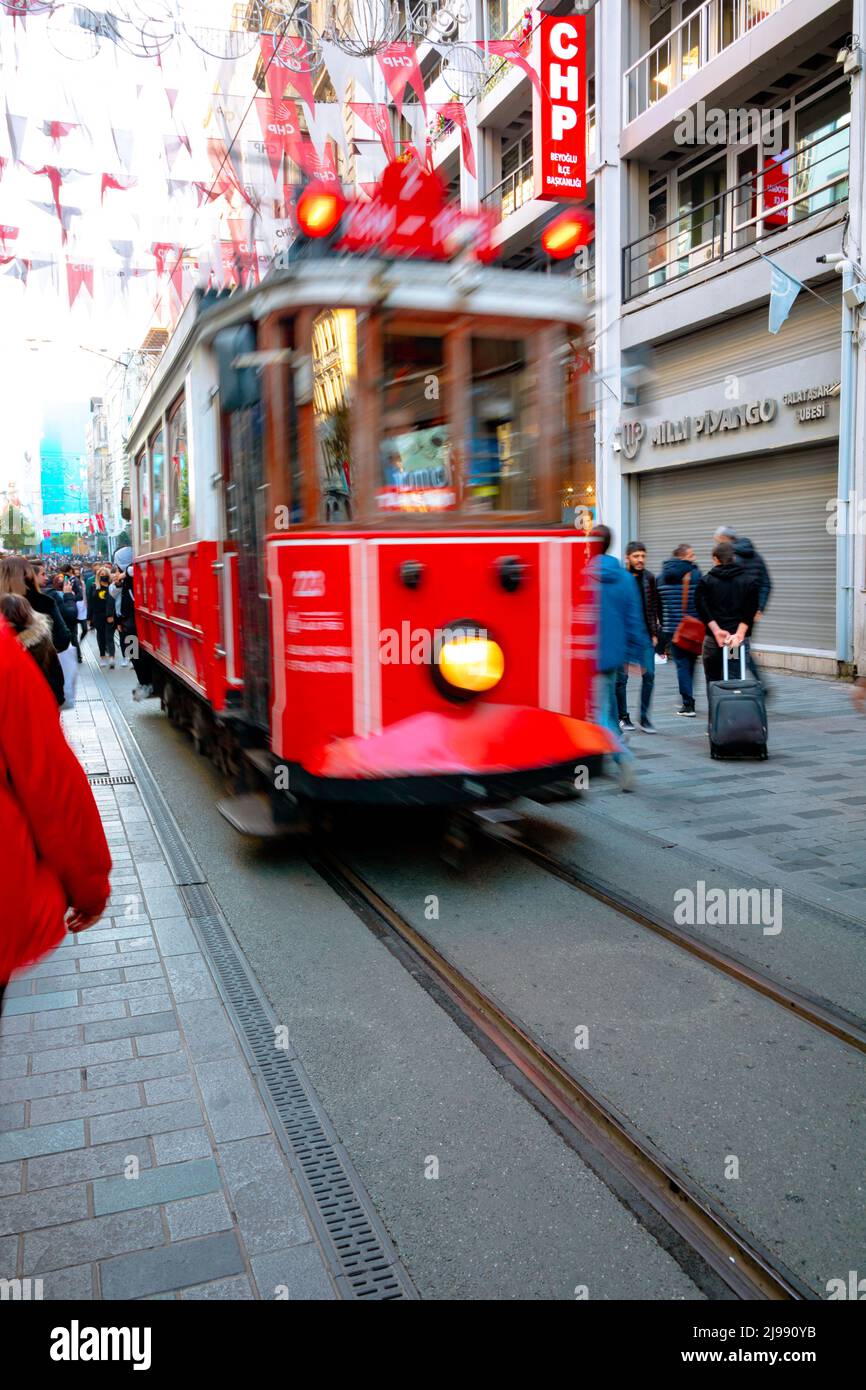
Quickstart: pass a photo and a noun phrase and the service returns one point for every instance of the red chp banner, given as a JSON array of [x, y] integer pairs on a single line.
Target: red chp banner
[[559, 108], [776, 193]]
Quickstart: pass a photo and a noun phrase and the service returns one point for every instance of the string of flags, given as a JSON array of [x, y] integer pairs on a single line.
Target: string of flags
[[182, 199]]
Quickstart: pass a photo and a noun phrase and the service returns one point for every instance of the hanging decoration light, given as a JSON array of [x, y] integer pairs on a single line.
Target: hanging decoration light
[[362, 28], [75, 33], [464, 71]]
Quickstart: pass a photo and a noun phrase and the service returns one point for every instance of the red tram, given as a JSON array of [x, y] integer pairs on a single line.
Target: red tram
[[351, 568]]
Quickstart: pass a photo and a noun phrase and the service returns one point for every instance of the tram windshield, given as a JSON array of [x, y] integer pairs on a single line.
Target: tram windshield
[[415, 447], [499, 476]]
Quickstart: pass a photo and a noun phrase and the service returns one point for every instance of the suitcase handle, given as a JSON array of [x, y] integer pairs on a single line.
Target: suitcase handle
[[742, 651]]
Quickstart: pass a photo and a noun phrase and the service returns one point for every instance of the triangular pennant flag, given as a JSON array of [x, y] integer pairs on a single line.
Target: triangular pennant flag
[[109, 181], [327, 123], [280, 128], [287, 64], [57, 130], [171, 93], [400, 66], [8, 233], [55, 178], [513, 52], [415, 117], [76, 276], [172, 145], [124, 143], [16, 125], [375, 115], [456, 112], [344, 68]]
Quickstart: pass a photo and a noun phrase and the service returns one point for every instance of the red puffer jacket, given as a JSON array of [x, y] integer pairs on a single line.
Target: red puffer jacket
[[53, 852]]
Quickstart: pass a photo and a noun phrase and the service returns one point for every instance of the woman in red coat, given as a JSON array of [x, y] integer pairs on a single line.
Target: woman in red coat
[[45, 871]]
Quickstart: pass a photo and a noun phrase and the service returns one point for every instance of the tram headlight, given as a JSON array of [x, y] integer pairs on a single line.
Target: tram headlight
[[470, 661]]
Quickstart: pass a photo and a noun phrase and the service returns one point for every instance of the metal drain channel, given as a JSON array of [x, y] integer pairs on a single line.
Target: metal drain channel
[[367, 1265], [100, 779], [356, 1246]]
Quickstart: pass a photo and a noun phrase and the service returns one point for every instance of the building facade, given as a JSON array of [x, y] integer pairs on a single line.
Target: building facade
[[725, 138]]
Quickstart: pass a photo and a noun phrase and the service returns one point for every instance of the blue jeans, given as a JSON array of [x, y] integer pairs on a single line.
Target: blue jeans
[[607, 715], [685, 664], [648, 680]]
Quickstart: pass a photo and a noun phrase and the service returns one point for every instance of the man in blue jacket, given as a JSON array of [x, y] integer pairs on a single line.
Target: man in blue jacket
[[621, 642]]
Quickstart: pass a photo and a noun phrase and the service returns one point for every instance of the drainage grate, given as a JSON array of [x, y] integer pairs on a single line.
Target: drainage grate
[[116, 779], [366, 1264]]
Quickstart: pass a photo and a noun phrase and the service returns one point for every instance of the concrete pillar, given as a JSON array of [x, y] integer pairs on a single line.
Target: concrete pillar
[[855, 250]]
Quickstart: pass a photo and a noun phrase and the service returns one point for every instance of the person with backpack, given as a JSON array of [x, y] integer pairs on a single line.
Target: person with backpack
[[677, 586]]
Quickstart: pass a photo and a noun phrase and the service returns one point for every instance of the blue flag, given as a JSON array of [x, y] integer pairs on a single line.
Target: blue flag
[[784, 289]]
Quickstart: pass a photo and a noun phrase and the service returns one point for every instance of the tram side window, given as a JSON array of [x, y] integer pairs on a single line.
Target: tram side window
[[415, 452], [157, 474], [142, 473], [335, 373], [503, 438], [178, 452]]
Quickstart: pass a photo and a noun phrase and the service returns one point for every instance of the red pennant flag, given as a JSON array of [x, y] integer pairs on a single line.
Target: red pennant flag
[[55, 178], [399, 64], [375, 115], [277, 54], [280, 130], [306, 156], [100, 521], [90, 526], [512, 50], [161, 250], [46, 535], [109, 181], [76, 276], [7, 233], [56, 130], [456, 112]]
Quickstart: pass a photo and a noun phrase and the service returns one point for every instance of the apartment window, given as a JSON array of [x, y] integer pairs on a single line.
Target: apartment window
[[502, 16], [660, 246], [700, 213], [821, 152], [516, 174]]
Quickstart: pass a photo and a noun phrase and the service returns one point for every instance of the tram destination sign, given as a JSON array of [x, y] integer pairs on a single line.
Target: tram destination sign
[[559, 109]]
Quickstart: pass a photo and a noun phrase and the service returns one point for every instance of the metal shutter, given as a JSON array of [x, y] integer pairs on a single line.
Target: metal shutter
[[780, 503]]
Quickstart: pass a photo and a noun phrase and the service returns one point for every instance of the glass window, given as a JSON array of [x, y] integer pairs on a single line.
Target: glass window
[[157, 477], [660, 238], [700, 209], [335, 371], [142, 474], [415, 452], [179, 473], [823, 135], [499, 475]]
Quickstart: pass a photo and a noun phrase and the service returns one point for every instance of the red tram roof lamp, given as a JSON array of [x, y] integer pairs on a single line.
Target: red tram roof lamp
[[318, 210], [566, 234]]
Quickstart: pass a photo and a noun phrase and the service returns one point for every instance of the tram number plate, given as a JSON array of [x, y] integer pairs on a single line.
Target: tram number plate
[[308, 583]]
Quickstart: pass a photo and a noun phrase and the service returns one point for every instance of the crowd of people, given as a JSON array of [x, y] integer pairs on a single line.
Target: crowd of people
[[681, 615], [51, 607]]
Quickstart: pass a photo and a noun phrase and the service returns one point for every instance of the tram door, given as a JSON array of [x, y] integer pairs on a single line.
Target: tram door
[[244, 496]]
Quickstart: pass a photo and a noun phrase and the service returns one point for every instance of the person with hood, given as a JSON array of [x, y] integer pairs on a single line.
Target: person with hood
[[33, 631], [635, 564], [64, 596], [727, 601], [102, 615], [756, 568], [46, 872], [679, 578], [17, 576], [621, 642]]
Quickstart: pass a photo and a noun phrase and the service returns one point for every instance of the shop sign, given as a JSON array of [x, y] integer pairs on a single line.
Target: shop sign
[[733, 417], [559, 109], [811, 404]]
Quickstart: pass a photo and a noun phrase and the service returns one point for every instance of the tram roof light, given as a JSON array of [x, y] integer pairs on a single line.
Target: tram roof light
[[566, 234], [318, 210]]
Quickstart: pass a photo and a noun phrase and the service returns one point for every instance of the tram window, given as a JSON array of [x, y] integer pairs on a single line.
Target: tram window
[[143, 497], [415, 451], [499, 477], [178, 478], [335, 372], [157, 477]]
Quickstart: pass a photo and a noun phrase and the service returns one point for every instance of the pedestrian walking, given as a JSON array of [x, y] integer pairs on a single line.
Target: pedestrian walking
[[18, 576], [621, 641], [755, 567], [101, 612], [46, 871], [651, 628], [677, 585], [141, 660], [33, 632], [727, 601], [64, 596]]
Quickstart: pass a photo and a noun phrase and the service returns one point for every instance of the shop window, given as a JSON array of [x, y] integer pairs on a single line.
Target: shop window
[[143, 481], [499, 476], [415, 453], [178, 451], [335, 372]]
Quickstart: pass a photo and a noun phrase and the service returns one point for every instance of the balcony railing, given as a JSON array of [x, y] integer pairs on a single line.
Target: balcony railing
[[784, 192], [517, 187], [695, 41]]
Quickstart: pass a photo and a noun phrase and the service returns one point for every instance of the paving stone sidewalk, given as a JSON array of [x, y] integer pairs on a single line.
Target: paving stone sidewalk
[[797, 820], [136, 1157]]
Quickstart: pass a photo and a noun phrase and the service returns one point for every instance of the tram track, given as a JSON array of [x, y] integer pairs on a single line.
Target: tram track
[[723, 1258], [839, 1023]]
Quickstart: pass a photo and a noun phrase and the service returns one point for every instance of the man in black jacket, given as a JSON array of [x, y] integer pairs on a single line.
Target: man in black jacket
[[635, 563], [727, 601], [671, 586]]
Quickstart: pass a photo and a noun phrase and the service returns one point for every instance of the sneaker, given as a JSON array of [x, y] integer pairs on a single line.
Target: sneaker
[[627, 776], [687, 711], [102, 663], [111, 665], [647, 727], [626, 724], [142, 692], [124, 663]]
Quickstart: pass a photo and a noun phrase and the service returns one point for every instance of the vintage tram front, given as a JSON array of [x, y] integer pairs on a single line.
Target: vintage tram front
[[352, 567]]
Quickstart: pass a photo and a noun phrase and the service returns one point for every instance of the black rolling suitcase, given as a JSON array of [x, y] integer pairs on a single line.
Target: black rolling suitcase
[[737, 714]]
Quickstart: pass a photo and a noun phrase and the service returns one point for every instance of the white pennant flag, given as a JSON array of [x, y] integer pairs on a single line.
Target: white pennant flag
[[343, 68], [327, 123]]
